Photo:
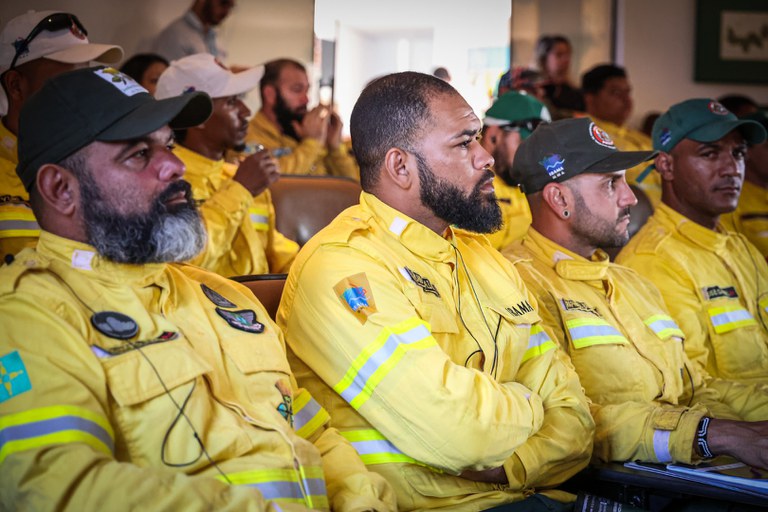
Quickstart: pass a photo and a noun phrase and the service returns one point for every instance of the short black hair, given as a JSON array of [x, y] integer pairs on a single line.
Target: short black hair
[[138, 64], [391, 112], [738, 104], [273, 68], [594, 80]]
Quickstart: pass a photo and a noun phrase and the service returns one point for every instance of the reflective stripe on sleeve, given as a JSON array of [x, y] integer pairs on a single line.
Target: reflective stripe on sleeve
[[284, 485], [586, 332], [728, 318], [259, 218], [538, 343], [308, 415], [379, 358], [661, 445], [664, 326], [54, 425], [374, 448], [17, 222]]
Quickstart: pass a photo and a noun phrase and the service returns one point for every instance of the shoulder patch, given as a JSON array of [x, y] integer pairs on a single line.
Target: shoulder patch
[[355, 293], [719, 292], [14, 379], [577, 305]]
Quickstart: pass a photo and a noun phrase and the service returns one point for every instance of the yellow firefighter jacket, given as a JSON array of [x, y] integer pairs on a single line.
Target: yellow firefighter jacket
[[307, 156], [515, 212], [751, 216], [242, 238], [18, 227], [428, 352], [647, 398], [156, 387], [715, 284]]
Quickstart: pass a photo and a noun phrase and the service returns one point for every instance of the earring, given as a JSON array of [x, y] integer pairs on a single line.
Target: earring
[[493, 139], [566, 213]]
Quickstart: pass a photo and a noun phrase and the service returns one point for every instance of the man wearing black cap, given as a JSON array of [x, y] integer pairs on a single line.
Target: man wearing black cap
[[714, 281], [624, 345], [129, 381]]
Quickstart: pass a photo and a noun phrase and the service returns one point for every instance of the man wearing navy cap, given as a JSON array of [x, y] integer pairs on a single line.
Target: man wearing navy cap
[[714, 281], [130, 381]]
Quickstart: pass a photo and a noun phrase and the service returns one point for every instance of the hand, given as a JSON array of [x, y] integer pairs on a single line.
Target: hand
[[493, 475], [257, 172], [746, 441], [314, 125], [333, 140]]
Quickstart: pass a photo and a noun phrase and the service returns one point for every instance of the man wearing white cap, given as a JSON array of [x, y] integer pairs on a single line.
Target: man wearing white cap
[[34, 47], [237, 207]]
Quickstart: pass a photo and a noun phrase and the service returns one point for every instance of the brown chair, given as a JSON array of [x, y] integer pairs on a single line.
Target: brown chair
[[306, 204], [268, 288]]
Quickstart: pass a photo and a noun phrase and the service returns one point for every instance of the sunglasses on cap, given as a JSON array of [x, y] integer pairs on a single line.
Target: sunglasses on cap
[[527, 124], [52, 23]]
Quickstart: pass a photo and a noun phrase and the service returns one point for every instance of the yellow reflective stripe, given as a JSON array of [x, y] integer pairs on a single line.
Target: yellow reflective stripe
[[284, 485], [22, 213], [17, 223], [586, 332], [763, 304], [379, 358], [308, 415], [664, 326], [728, 318], [538, 343], [259, 218], [54, 425], [374, 448]]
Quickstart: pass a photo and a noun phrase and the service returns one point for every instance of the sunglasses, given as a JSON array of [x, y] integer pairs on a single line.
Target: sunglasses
[[52, 23], [528, 124]]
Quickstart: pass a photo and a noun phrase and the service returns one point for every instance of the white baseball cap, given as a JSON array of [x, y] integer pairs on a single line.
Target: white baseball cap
[[59, 36], [202, 72]]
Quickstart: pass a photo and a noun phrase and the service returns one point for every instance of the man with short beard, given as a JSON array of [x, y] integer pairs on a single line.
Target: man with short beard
[[649, 402], [305, 141], [420, 338], [714, 281], [131, 381]]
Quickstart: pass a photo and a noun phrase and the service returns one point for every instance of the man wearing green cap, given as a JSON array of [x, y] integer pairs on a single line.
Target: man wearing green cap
[[610, 319], [509, 121], [751, 216], [130, 381], [714, 281]]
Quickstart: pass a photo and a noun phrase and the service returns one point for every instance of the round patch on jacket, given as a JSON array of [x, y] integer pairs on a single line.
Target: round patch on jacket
[[244, 320], [115, 325]]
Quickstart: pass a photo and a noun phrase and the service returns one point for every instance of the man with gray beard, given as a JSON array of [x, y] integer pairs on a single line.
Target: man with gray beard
[[130, 381]]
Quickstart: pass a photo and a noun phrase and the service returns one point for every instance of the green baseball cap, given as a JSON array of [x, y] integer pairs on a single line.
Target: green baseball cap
[[558, 151], [702, 120], [517, 110], [95, 104]]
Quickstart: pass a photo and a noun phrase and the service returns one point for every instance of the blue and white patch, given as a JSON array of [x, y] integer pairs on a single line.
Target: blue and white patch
[[14, 379], [665, 137], [554, 165]]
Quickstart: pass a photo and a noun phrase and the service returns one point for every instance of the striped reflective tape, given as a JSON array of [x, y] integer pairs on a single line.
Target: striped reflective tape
[[661, 445], [586, 332], [284, 485], [727, 318], [374, 448], [308, 415], [259, 218], [378, 358], [48, 426], [539, 343], [18, 222], [664, 326]]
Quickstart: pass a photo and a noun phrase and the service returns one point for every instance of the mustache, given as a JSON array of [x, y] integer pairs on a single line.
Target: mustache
[[173, 189]]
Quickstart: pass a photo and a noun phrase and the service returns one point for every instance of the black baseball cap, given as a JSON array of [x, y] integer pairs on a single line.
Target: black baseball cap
[[95, 104], [558, 151]]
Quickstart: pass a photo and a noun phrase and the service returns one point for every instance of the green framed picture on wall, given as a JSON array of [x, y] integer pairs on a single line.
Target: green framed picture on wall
[[731, 41]]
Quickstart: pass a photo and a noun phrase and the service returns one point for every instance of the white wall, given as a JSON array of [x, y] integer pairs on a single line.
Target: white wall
[[659, 53]]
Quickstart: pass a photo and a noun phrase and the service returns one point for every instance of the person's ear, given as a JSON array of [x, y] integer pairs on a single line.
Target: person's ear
[[559, 198], [58, 188], [14, 88], [269, 94], [399, 165], [665, 166]]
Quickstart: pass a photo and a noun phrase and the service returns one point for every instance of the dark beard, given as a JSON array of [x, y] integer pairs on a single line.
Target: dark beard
[[475, 212], [592, 230], [286, 117], [161, 235]]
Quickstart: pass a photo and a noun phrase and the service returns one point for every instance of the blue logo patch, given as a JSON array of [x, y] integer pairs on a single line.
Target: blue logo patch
[[665, 137], [14, 379], [554, 165], [356, 298]]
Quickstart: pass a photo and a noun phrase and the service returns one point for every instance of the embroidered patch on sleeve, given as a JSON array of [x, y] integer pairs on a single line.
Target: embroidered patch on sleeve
[[14, 379], [717, 292], [355, 293]]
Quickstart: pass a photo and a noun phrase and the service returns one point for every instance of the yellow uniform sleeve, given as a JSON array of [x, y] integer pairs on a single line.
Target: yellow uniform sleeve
[[57, 445], [392, 372]]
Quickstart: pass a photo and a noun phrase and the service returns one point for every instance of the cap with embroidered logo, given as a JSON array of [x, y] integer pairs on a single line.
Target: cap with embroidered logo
[[559, 151], [202, 72], [702, 120], [95, 104]]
